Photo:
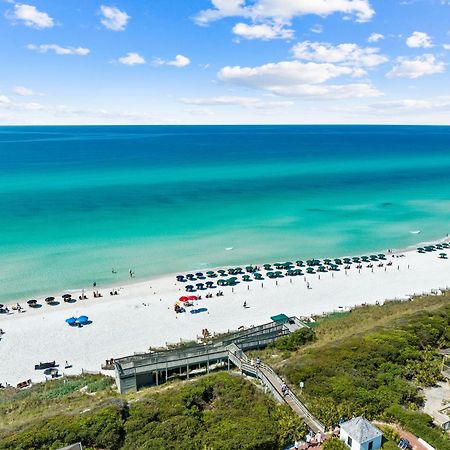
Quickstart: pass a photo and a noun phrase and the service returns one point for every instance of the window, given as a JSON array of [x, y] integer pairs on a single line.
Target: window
[[370, 445], [349, 442]]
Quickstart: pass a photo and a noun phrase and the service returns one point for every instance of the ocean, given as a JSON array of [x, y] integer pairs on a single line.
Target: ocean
[[79, 201]]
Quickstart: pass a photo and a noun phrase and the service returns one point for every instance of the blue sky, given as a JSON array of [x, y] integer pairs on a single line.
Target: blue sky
[[224, 61]]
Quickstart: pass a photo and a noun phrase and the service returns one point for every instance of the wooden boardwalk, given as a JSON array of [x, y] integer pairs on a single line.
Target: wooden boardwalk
[[274, 384]]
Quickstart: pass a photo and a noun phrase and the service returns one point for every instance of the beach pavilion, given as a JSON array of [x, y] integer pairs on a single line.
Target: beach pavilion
[[359, 434]]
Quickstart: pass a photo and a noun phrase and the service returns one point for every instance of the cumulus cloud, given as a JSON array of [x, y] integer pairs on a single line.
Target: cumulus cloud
[[348, 54], [45, 48], [375, 37], [446, 46], [131, 59], [113, 18], [416, 67], [264, 31], [283, 10], [178, 61], [30, 16], [419, 40], [24, 91], [295, 78]]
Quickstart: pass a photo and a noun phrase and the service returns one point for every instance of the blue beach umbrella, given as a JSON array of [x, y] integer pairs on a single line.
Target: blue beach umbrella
[[83, 319], [71, 320]]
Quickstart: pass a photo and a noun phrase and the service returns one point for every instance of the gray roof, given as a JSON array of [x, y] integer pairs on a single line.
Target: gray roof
[[76, 446], [361, 430]]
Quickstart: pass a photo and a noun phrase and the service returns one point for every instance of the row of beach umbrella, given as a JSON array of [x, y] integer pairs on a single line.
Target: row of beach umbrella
[[319, 265]]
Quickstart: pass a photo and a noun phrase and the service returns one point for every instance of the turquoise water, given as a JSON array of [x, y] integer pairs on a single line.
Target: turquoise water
[[77, 201]]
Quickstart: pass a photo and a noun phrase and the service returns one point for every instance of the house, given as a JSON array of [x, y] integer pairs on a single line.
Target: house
[[76, 446], [359, 434]]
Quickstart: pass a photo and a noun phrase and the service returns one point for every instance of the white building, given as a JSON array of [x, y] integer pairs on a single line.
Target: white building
[[360, 434]]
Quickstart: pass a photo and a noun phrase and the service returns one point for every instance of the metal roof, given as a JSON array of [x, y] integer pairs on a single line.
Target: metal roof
[[361, 430]]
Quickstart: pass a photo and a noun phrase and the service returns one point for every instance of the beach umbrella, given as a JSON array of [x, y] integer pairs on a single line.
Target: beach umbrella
[[443, 255], [189, 287], [190, 276], [184, 299], [267, 266], [71, 320], [1, 306], [209, 284], [199, 285], [199, 274], [299, 263], [192, 297], [49, 299], [66, 296], [327, 261], [83, 319], [32, 302]]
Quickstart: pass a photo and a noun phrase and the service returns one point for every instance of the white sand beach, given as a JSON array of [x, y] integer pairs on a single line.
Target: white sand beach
[[142, 315]]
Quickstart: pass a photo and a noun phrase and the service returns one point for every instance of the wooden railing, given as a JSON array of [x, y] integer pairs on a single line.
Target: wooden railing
[[264, 373]]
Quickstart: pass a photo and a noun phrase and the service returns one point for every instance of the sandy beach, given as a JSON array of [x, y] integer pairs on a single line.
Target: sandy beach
[[142, 315]]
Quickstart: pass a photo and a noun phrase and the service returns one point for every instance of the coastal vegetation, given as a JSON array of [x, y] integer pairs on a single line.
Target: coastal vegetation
[[374, 362], [212, 412]]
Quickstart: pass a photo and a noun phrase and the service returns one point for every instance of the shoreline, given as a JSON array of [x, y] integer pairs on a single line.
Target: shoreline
[[140, 280], [143, 316]]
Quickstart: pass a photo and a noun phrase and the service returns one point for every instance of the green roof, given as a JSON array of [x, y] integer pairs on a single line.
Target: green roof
[[280, 318]]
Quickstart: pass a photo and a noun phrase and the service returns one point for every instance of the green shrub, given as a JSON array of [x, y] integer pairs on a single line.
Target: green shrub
[[295, 340], [420, 424], [334, 444]]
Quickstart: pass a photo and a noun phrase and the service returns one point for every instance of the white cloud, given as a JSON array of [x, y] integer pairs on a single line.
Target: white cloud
[[283, 10], [200, 111], [44, 48], [416, 67], [446, 46], [225, 100], [349, 54], [113, 18], [317, 29], [406, 106], [7, 103], [294, 78], [24, 91], [329, 91], [219, 101], [264, 31], [419, 40], [375, 37], [4, 100], [30, 16], [178, 61], [131, 59]]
